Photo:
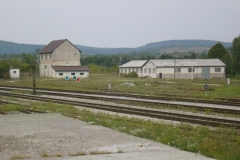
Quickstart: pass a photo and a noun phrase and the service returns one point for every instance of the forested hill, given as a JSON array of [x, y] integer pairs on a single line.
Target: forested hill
[[157, 47]]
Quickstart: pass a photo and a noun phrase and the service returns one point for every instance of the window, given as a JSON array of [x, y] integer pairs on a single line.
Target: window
[[50, 56], [178, 70], [145, 70], [14, 72], [125, 70], [46, 66], [190, 69], [72, 74], [129, 70], [137, 70], [46, 57], [217, 69], [41, 57], [149, 70], [60, 74], [81, 73], [141, 70], [154, 71]]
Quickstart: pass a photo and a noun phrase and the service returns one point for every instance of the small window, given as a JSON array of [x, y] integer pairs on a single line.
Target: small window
[[137, 70], [72, 74], [125, 70], [81, 73], [41, 57], [60, 74], [50, 56], [129, 70], [149, 70], [217, 69], [46, 57], [75, 53], [145, 70], [141, 70], [154, 71], [46, 66], [190, 70], [14, 72], [178, 70]]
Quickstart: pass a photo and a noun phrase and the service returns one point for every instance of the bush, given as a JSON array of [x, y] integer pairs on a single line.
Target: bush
[[131, 75]]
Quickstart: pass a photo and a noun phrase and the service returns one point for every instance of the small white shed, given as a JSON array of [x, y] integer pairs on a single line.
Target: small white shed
[[14, 73]]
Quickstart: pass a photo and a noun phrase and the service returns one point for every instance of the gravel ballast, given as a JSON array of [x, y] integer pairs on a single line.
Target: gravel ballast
[[53, 134]]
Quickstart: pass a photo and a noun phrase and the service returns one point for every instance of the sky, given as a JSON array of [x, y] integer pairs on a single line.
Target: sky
[[118, 23]]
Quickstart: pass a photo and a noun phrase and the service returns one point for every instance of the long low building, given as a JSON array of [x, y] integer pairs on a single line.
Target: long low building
[[176, 68]]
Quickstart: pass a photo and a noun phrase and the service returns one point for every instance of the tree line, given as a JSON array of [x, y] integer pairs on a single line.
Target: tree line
[[22, 61]]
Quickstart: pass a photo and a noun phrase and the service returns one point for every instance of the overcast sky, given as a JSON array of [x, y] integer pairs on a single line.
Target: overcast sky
[[118, 23]]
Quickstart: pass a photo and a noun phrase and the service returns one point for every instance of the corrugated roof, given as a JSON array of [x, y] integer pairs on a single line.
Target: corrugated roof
[[135, 63], [52, 46], [70, 68], [187, 62]]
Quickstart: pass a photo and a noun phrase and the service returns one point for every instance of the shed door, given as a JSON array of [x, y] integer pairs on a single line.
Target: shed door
[[206, 73], [160, 75]]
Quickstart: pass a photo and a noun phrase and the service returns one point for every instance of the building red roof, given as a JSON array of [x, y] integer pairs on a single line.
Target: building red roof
[[53, 45], [70, 68]]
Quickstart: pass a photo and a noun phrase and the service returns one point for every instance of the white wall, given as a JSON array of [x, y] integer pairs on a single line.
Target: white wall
[[77, 74], [15, 73]]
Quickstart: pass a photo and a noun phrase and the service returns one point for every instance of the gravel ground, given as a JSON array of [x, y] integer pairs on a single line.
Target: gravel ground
[[35, 134]]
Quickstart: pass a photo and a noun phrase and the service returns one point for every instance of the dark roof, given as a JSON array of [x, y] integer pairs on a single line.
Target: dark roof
[[70, 68], [53, 45]]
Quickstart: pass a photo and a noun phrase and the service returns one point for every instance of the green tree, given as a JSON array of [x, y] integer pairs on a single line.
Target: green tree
[[217, 51], [236, 54]]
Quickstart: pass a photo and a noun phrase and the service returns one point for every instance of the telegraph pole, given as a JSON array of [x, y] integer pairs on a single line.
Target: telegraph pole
[[33, 75]]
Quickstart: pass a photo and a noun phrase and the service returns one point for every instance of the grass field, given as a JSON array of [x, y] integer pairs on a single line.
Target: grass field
[[145, 86]]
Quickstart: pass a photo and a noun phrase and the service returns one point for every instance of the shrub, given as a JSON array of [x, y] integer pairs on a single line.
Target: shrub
[[131, 75]]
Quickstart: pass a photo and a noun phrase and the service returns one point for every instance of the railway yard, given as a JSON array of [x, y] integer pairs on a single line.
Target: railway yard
[[167, 109]]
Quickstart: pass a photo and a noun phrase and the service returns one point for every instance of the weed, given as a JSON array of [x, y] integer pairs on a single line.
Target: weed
[[81, 153], [99, 152], [18, 156]]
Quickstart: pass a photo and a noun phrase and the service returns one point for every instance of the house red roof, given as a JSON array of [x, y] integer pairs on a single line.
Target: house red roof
[[53, 45], [70, 68]]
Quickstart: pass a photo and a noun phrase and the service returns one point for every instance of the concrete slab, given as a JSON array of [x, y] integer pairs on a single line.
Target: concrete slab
[[35, 134]]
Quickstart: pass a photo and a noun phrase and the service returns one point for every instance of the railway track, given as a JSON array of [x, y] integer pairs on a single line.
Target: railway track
[[202, 120], [141, 101], [218, 101]]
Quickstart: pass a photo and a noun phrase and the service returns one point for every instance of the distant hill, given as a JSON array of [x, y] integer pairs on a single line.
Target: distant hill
[[156, 47]]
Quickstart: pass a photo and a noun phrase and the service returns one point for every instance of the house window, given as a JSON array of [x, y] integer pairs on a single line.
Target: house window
[[50, 56], [41, 57], [154, 71], [178, 70], [149, 70], [60, 74], [217, 69], [46, 66], [141, 70], [190, 69], [137, 70], [81, 73], [14, 72], [72, 74], [129, 70], [125, 70], [145, 70], [46, 57]]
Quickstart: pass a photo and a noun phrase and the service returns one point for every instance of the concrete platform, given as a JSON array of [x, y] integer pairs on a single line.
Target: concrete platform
[[35, 134]]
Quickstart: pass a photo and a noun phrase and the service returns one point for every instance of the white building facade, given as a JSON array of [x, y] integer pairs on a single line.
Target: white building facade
[[14, 73], [178, 69]]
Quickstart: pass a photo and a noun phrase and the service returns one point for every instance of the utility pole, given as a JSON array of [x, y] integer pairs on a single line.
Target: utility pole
[[119, 66], [33, 75], [174, 68]]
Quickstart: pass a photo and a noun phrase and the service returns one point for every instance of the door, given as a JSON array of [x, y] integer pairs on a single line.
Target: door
[[160, 75], [206, 73]]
